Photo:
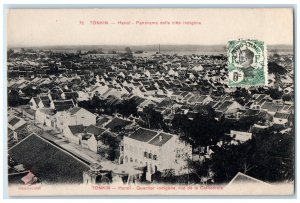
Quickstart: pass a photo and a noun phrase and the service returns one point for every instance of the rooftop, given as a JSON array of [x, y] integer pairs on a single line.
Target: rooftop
[[282, 115], [117, 123], [14, 121], [75, 129], [143, 135], [50, 163], [74, 110], [62, 105], [92, 129], [161, 139]]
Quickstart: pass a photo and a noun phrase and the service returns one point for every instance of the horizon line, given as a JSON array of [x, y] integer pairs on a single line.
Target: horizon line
[[132, 45]]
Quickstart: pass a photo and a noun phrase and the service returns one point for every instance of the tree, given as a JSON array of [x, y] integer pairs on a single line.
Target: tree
[[273, 67], [128, 107], [153, 119], [269, 156], [241, 95], [203, 130], [275, 93], [180, 123], [14, 99], [113, 143]]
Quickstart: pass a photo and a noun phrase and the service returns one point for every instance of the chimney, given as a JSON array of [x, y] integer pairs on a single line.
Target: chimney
[[160, 138]]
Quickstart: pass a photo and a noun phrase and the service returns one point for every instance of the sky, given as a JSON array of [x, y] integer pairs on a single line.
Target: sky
[[61, 27]]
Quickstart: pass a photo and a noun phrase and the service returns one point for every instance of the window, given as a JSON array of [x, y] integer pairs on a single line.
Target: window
[[150, 156], [131, 160], [154, 157], [145, 154]]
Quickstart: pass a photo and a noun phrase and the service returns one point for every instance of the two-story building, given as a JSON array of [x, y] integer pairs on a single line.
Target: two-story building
[[156, 150]]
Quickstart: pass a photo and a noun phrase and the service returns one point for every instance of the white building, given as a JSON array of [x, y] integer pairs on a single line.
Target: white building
[[91, 138], [240, 136], [15, 122], [46, 116], [281, 118], [157, 150], [75, 116], [74, 133]]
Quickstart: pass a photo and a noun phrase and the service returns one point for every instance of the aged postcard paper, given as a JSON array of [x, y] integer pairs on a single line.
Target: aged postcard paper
[[150, 101]]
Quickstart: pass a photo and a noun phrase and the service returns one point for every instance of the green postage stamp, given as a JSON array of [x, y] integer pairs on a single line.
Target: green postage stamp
[[247, 63]]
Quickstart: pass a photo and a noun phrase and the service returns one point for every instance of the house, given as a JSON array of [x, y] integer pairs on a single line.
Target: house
[[228, 107], [204, 99], [117, 124], [144, 104], [46, 116], [17, 128], [75, 116], [62, 105], [239, 136], [91, 138], [137, 92], [156, 150], [275, 108], [197, 68], [74, 133], [281, 118], [112, 92], [15, 122], [34, 103], [69, 95], [44, 102], [82, 96], [254, 186], [98, 90]]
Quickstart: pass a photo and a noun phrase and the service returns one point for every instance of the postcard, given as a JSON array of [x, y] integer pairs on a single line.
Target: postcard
[[150, 101]]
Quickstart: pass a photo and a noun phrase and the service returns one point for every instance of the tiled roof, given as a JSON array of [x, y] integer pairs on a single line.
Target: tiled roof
[[50, 163], [241, 178], [116, 123], [75, 129], [275, 108], [47, 111], [36, 99], [14, 121], [74, 110], [224, 106], [62, 105], [143, 135], [71, 95], [161, 139], [46, 103], [102, 121], [266, 105], [281, 115], [92, 129]]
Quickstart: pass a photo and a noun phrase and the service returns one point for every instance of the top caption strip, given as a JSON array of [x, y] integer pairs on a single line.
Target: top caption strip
[[247, 63]]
